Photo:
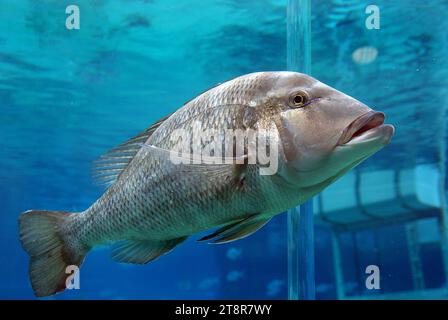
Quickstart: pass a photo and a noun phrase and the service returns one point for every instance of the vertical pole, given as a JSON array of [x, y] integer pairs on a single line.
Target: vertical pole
[[337, 265], [443, 219], [300, 220], [413, 244]]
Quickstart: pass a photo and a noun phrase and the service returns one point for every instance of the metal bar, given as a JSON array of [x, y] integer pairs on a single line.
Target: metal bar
[[337, 265], [359, 282], [301, 283], [414, 256], [443, 219], [306, 250]]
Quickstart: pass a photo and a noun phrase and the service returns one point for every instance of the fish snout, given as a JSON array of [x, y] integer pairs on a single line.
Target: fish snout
[[364, 125]]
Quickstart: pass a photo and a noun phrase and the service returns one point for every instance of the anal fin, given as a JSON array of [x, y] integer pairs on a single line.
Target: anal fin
[[142, 251]]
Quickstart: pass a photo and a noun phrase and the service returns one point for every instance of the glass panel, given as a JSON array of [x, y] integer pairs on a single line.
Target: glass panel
[[68, 96], [399, 66]]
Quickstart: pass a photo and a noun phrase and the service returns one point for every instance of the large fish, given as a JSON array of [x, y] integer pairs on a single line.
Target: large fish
[[154, 203]]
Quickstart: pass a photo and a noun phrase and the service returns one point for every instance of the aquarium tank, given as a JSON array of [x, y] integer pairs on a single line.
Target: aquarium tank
[[79, 77]]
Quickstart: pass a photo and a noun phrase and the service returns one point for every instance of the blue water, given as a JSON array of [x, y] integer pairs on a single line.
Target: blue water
[[67, 96]]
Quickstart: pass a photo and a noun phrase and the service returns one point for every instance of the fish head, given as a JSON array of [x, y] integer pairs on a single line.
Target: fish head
[[323, 132]]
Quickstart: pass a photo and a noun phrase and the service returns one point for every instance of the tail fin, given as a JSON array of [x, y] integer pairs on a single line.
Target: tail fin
[[50, 255]]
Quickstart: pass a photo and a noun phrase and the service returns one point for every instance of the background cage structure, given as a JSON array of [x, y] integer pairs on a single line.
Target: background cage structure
[[401, 69], [380, 198]]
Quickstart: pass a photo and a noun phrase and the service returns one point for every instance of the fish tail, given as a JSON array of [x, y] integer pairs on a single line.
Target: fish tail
[[42, 238]]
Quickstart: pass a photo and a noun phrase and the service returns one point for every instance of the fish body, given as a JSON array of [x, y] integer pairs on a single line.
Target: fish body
[[314, 135]]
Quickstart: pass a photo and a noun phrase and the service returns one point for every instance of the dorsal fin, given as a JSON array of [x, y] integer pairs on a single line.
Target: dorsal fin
[[109, 166]]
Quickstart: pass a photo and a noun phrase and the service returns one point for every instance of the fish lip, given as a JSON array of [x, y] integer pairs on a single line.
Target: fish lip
[[364, 123]]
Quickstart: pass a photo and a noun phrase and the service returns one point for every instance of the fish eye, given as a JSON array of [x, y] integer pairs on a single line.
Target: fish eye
[[299, 99]]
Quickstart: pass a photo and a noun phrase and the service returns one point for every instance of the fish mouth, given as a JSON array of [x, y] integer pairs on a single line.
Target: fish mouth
[[369, 126]]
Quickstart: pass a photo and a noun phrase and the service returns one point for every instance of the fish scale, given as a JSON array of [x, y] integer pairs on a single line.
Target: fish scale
[[153, 204], [195, 109]]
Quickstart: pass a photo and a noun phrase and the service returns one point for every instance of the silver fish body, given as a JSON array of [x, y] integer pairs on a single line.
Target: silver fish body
[[153, 204]]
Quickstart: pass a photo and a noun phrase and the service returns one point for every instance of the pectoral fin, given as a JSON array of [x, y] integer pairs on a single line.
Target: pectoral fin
[[237, 230], [227, 170]]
